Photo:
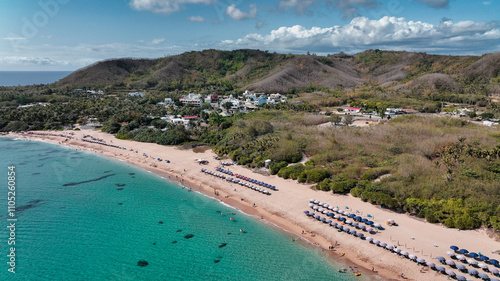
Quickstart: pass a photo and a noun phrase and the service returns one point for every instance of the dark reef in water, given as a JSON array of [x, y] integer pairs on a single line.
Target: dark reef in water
[[142, 263], [119, 188], [179, 230], [131, 174], [174, 242], [188, 236], [216, 261], [34, 174], [107, 171], [120, 184], [222, 245], [87, 181]]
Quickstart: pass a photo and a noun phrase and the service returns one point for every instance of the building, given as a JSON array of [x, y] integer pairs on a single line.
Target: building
[[136, 94], [353, 109], [192, 99]]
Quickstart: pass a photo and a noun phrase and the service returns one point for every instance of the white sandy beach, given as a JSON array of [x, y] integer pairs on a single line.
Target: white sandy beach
[[285, 209]]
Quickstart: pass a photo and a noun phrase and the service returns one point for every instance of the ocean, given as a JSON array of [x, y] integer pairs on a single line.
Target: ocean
[[86, 217], [24, 78]]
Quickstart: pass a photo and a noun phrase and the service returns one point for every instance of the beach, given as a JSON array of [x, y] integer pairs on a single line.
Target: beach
[[284, 207]]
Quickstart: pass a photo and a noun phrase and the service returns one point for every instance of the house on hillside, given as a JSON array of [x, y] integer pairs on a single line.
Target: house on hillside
[[193, 99], [353, 109], [136, 94]]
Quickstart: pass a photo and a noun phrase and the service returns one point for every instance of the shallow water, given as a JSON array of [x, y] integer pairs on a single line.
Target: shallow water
[[84, 217]]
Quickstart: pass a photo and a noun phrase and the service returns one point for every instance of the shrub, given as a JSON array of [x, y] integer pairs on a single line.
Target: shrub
[[276, 167]]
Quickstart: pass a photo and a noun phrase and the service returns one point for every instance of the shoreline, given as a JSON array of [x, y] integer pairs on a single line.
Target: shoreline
[[278, 209]]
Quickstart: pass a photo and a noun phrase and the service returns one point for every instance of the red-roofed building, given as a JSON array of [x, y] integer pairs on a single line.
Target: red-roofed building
[[189, 118], [353, 109]]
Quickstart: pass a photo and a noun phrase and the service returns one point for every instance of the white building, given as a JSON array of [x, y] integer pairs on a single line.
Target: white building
[[193, 99], [136, 94]]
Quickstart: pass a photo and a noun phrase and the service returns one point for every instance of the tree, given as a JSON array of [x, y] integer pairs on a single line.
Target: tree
[[335, 119], [228, 105], [216, 119], [348, 120]]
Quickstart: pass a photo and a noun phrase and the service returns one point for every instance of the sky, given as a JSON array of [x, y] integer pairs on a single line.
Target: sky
[[46, 35]]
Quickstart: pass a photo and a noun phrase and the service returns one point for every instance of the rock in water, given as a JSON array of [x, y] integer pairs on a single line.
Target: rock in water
[[189, 236], [142, 263], [222, 245], [216, 261], [120, 188], [174, 242], [179, 230]]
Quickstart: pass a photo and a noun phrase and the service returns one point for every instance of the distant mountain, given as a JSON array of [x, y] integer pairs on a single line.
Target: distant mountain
[[272, 72]]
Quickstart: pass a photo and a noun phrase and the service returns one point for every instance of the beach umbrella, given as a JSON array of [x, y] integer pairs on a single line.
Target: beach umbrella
[[369, 222], [369, 239], [306, 212], [346, 229], [471, 262], [322, 219], [364, 220], [358, 218], [347, 213], [398, 251], [412, 257], [328, 221], [325, 205], [440, 268], [483, 266], [450, 253], [325, 212], [483, 276], [352, 216], [421, 260], [342, 219], [440, 258], [352, 231], [335, 209], [461, 267], [450, 262], [362, 227], [450, 273], [348, 221], [377, 225], [494, 279], [339, 226], [340, 211], [391, 221], [360, 235], [493, 270], [463, 251], [473, 255], [311, 214], [493, 262], [484, 258], [382, 244], [376, 242], [404, 253], [454, 248], [330, 214], [315, 201], [333, 224], [336, 217], [320, 210], [315, 207], [430, 264], [461, 257], [460, 278], [472, 271], [369, 229], [330, 208], [355, 224], [316, 216]]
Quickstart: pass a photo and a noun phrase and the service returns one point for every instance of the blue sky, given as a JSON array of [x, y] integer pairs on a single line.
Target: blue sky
[[70, 34]]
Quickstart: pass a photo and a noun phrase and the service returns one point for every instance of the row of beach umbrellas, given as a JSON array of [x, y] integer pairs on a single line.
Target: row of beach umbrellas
[[263, 184], [336, 225], [470, 271], [316, 204], [256, 188], [477, 256]]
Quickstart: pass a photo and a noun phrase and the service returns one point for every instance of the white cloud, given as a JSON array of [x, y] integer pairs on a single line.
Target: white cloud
[[349, 8], [14, 38], [386, 33], [164, 6], [157, 41], [237, 14], [435, 3], [196, 19]]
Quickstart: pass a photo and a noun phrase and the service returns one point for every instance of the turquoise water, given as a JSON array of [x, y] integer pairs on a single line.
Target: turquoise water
[[83, 217]]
